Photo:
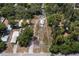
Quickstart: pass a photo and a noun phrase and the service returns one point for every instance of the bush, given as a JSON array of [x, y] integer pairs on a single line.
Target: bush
[[54, 49], [2, 46], [2, 26], [60, 39], [55, 19], [65, 49], [75, 47], [25, 37], [64, 45], [12, 22]]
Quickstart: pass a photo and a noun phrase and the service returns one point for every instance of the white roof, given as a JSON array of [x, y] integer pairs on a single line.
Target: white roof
[[14, 36], [5, 38]]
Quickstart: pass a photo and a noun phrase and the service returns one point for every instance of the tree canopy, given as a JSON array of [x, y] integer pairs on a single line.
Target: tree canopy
[[25, 37], [67, 16]]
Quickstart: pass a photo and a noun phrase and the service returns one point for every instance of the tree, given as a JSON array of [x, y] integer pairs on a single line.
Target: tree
[[54, 49], [25, 37], [2, 27], [19, 11], [75, 47], [63, 14], [8, 11], [62, 45], [35, 8], [55, 19], [51, 8], [2, 45]]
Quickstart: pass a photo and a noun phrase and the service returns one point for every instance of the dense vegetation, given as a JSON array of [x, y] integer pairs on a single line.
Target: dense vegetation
[[25, 37], [2, 26], [19, 11], [64, 22], [2, 44]]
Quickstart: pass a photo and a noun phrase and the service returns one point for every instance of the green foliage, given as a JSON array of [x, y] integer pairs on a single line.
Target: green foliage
[[75, 47], [54, 18], [68, 16], [59, 39], [61, 44], [74, 27], [2, 26], [65, 45], [19, 11], [12, 22], [2, 45], [25, 37], [54, 49], [7, 11], [66, 9], [51, 8]]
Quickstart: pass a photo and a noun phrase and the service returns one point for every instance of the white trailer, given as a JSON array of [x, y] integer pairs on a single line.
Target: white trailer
[[14, 36]]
